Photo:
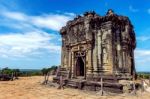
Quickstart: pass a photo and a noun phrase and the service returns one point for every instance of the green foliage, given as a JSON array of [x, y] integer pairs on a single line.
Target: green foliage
[[30, 73], [143, 75], [16, 70], [13, 73], [24, 73], [46, 70], [7, 71]]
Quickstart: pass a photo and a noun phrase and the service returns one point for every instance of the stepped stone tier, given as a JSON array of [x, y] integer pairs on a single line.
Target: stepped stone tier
[[94, 46]]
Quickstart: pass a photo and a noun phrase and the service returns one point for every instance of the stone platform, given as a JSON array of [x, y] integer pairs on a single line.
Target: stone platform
[[110, 83], [95, 86]]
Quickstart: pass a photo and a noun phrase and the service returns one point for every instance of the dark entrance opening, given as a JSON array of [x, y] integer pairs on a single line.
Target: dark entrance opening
[[80, 67]]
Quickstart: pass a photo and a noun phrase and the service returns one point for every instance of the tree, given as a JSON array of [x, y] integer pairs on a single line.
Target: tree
[[16, 73], [46, 73], [10, 73], [6, 74], [7, 71]]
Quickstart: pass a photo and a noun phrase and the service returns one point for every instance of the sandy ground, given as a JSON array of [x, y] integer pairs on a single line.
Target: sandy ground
[[30, 88]]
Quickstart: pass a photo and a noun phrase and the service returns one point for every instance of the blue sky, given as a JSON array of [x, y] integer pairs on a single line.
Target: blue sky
[[29, 29]]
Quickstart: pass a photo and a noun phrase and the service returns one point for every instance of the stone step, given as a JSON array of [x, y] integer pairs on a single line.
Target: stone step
[[106, 78], [95, 86], [63, 69], [107, 86], [62, 72], [72, 83]]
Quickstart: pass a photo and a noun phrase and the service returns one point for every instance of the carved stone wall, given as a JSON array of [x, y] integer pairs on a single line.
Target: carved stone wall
[[108, 43]]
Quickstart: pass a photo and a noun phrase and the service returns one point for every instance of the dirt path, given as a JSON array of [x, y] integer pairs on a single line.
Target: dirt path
[[30, 88]]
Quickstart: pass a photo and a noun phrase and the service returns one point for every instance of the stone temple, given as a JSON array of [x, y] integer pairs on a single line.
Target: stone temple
[[95, 46]]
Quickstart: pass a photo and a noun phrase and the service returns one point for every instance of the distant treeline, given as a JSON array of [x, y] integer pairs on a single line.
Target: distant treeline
[[27, 72], [9, 71], [52, 69], [145, 75], [30, 73]]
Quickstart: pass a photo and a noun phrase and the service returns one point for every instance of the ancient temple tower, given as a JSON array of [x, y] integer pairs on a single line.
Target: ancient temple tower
[[98, 45]]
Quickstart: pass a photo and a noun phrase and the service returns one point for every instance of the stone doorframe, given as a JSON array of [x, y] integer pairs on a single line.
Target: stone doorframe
[[82, 55]]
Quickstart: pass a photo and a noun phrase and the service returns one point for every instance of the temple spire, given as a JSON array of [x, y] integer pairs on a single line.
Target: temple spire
[[110, 12]]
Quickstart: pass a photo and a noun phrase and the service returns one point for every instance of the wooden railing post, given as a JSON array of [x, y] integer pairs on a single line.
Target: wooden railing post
[[134, 88], [142, 82], [101, 86]]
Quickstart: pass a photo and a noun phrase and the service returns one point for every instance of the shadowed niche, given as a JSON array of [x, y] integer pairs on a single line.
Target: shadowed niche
[[80, 67]]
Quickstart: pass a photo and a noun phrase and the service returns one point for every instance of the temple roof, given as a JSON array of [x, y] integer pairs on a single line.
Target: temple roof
[[95, 18]]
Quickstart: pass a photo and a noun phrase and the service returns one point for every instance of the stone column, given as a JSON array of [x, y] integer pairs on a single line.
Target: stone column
[[127, 57], [130, 59], [107, 53], [120, 58], [125, 65], [109, 68], [95, 55], [100, 68], [90, 67], [73, 65], [62, 57], [133, 63], [68, 59], [124, 60], [65, 59], [70, 64]]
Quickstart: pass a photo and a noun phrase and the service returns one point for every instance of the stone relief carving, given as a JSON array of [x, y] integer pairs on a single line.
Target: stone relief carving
[[105, 56]]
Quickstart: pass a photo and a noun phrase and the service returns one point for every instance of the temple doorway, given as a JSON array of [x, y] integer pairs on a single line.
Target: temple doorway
[[80, 66]]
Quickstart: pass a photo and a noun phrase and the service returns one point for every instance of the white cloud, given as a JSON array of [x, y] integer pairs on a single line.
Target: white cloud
[[20, 45], [142, 53], [49, 21], [148, 11], [143, 38], [32, 38], [133, 9], [14, 15], [142, 58], [144, 35]]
